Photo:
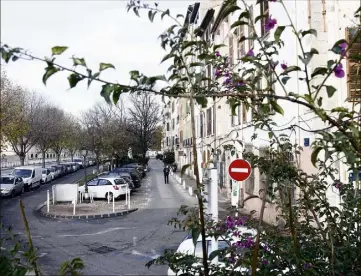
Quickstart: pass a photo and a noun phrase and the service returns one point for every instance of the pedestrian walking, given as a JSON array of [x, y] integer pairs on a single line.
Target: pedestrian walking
[[166, 174]]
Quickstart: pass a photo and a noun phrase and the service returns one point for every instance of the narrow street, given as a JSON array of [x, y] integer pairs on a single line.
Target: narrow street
[[113, 246]]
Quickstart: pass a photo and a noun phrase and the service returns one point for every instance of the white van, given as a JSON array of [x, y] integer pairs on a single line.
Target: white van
[[31, 176]]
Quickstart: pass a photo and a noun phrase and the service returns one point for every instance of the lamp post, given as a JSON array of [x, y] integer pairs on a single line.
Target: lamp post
[[84, 152]]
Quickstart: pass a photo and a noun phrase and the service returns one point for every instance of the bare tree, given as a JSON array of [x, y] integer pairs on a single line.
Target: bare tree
[[21, 132], [144, 117], [73, 140], [58, 144]]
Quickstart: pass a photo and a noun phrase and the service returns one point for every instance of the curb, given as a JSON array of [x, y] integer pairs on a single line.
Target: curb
[[39, 210], [186, 187]]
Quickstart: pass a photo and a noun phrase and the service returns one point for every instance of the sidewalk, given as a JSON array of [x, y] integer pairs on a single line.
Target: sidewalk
[[224, 205]]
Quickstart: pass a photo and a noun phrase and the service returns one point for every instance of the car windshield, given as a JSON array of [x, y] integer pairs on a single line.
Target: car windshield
[[51, 169], [44, 172], [6, 180], [119, 181], [78, 160], [22, 172]]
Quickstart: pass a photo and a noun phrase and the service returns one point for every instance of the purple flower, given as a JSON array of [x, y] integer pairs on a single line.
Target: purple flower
[[343, 47], [339, 73], [218, 54], [265, 262], [217, 73], [250, 53], [270, 23], [338, 185], [227, 74], [240, 222], [307, 265], [284, 66]]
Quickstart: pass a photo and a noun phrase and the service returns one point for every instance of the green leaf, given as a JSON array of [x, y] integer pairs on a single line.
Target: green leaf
[[215, 47], [107, 89], [58, 50], [135, 10], [151, 15], [310, 31], [330, 63], [319, 71], [173, 77], [202, 101], [134, 75], [244, 14], [260, 17], [117, 91], [184, 168], [285, 80], [74, 79], [180, 16], [168, 56], [194, 64], [165, 13], [103, 66], [187, 44], [314, 155], [291, 69], [49, 71], [339, 109], [277, 107], [228, 10], [238, 23], [319, 101], [337, 43], [330, 90], [278, 32], [270, 134], [79, 61]]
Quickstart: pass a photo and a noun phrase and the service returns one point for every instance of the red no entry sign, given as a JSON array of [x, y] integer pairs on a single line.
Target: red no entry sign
[[239, 170]]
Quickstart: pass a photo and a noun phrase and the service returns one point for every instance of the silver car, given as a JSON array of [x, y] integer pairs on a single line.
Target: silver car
[[11, 185]]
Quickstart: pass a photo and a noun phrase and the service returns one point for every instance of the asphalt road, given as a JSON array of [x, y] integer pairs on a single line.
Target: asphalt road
[[112, 246]]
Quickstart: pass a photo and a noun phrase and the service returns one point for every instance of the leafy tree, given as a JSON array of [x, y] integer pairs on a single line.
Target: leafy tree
[[321, 239]]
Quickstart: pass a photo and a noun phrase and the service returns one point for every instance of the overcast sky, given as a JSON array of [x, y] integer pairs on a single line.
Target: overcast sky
[[100, 31]]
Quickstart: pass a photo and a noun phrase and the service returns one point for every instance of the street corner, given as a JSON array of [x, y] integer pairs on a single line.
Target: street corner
[[95, 210]]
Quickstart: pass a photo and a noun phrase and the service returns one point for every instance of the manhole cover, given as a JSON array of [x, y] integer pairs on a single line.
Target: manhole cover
[[102, 249]]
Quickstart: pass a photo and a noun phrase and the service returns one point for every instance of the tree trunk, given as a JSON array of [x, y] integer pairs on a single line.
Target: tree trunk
[[58, 158], [22, 158], [72, 157], [43, 158], [199, 188]]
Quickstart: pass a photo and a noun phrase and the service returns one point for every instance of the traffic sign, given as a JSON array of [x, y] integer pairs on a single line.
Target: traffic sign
[[239, 170]]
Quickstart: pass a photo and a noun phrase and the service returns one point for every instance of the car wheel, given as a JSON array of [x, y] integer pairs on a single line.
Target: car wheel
[[110, 196]]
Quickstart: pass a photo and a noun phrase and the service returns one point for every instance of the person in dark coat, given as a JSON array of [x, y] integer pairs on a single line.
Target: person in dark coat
[[166, 171]]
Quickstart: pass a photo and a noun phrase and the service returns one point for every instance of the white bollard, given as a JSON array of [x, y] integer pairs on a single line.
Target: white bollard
[[126, 196], [128, 199], [184, 184], [48, 200], [74, 204], [113, 204], [190, 191], [53, 194]]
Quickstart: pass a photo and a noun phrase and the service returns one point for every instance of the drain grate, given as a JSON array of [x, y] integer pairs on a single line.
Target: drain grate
[[102, 249]]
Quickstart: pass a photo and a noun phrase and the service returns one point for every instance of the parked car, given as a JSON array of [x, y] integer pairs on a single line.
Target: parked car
[[80, 162], [53, 172], [125, 176], [75, 166], [136, 178], [69, 167], [187, 247], [61, 170], [11, 185], [31, 176], [138, 167], [45, 176], [104, 187]]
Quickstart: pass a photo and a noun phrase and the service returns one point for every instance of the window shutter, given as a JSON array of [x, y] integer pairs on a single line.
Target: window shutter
[[353, 67]]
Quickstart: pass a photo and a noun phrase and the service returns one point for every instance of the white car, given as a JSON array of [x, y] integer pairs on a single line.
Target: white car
[[46, 176], [30, 175], [187, 247], [53, 172], [11, 185], [104, 187]]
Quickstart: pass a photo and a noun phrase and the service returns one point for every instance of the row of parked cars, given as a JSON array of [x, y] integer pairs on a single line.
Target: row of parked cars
[[115, 183], [25, 178]]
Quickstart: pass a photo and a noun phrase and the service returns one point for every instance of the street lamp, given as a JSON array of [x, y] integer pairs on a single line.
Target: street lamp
[[84, 153]]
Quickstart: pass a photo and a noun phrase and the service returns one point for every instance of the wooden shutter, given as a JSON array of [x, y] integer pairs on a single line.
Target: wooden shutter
[[353, 66], [230, 41]]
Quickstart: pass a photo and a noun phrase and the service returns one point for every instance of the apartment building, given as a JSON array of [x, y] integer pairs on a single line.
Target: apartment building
[[216, 128]]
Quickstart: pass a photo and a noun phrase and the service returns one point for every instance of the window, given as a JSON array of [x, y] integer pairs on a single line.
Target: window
[[167, 126], [250, 30], [201, 125], [93, 182], [177, 119], [353, 67], [172, 106], [230, 48], [241, 46], [244, 113], [239, 114], [249, 183], [265, 12], [173, 124], [209, 121], [104, 182], [167, 141]]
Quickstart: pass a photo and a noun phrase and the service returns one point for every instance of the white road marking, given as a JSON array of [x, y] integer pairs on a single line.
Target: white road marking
[[239, 170], [154, 254], [98, 233]]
